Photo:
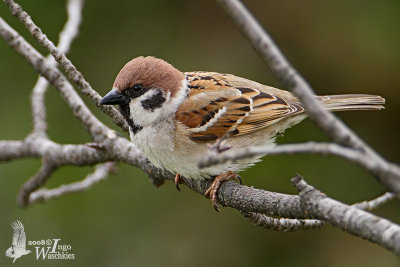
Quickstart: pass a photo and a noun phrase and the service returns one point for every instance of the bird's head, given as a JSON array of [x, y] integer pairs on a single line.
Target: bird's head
[[148, 90]]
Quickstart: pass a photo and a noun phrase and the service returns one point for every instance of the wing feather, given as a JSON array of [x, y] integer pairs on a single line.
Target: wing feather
[[218, 104]]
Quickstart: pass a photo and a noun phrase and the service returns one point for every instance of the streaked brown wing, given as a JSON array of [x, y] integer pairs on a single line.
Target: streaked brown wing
[[219, 104]]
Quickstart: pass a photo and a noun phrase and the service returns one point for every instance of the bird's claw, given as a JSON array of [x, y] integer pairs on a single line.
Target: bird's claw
[[178, 181], [211, 192]]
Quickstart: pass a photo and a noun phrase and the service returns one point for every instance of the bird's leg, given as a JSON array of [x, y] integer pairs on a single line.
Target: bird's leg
[[220, 145], [212, 190], [178, 181]]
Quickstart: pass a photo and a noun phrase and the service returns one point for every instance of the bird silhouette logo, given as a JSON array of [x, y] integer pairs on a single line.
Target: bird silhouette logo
[[18, 247]]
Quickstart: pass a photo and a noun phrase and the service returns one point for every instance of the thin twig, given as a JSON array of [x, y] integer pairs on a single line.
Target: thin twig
[[234, 154], [375, 203], [38, 107], [67, 35], [355, 156], [351, 219], [47, 168], [67, 65], [281, 224], [71, 27], [95, 128], [100, 173]]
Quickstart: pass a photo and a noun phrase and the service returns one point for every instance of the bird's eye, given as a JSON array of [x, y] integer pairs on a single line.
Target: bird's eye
[[135, 90], [137, 87]]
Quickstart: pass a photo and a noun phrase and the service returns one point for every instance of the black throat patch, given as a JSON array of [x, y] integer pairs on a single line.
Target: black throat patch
[[155, 101], [125, 111]]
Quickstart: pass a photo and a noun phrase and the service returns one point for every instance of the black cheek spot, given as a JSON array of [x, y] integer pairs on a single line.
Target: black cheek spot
[[155, 101]]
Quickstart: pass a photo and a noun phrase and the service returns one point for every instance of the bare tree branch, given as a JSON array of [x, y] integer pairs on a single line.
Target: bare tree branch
[[48, 167], [389, 174], [39, 147], [67, 35], [350, 219], [281, 224], [51, 73], [213, 158], [230, 193], [101, 172], [249, 199], [13, 149], [71, 27], [375, 203], [60, 57], [355, 156], [38, 107]]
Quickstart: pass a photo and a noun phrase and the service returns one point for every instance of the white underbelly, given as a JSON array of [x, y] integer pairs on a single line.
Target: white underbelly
[[159, 147], [158, 144]]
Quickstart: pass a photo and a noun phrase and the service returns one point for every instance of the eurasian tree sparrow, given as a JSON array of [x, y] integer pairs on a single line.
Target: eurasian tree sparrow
[[172, 115]]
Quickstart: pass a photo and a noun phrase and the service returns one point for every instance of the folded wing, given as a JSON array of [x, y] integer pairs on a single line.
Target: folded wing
[[217, 106]]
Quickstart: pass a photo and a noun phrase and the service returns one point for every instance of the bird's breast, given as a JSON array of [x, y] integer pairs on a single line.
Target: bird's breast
[[156, 142]]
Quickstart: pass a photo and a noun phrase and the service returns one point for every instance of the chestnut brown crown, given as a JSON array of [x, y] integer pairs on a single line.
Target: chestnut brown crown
[[150, 72]]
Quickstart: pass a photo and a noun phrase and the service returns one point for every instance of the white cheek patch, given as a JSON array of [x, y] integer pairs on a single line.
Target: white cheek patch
[[154, 105], [141, 113], [172, 104]]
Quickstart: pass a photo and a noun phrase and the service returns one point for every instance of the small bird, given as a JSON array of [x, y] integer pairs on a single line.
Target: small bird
[[18, 247], [175, 116]]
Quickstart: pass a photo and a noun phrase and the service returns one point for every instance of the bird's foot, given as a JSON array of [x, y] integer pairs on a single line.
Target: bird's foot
[[178, 180], [212, 190]]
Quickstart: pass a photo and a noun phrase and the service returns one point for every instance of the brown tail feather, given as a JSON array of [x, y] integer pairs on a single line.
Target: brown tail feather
[[352, 102]]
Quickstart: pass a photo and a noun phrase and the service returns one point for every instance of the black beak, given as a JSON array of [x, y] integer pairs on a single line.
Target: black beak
[[114, 98]]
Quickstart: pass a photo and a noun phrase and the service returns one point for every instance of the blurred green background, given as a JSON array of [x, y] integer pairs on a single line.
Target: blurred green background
[[339, 47]]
